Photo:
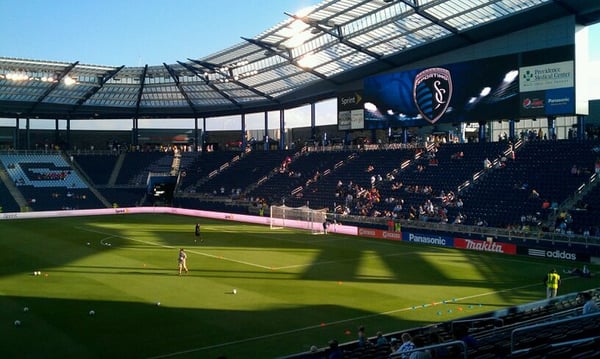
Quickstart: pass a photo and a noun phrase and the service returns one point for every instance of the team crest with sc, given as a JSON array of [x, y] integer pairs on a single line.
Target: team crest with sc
[[432, 92]]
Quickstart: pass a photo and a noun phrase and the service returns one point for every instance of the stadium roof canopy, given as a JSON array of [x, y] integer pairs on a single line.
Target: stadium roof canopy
[[305, 58]]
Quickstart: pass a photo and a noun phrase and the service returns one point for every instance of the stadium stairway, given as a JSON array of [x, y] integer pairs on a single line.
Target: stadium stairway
[[116, 170], [13, 190], [570, 203], [85, 179]]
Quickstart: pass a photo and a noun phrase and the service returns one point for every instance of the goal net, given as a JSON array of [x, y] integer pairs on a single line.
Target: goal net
[[298, 217]]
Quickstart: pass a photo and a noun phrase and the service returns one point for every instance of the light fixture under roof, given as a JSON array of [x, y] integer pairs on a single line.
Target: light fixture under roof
[[69, 81]]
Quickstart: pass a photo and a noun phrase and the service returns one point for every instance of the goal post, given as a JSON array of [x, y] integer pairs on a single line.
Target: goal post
[[298, 217]]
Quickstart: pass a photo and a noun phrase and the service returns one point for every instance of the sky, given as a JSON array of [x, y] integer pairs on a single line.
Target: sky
[[133, 32], [150, 32]]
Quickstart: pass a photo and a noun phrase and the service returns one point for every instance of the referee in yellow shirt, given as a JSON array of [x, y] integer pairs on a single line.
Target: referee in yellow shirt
[[552, 282]]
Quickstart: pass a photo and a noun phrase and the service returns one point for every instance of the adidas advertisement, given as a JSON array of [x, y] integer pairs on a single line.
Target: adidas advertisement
[[560, 254]]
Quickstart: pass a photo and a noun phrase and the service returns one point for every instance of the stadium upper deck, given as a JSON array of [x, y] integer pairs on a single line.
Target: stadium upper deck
[[306, 58]]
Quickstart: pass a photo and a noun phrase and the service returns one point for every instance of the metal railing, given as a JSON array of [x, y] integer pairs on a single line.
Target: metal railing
[[536, 327], [453, 343]]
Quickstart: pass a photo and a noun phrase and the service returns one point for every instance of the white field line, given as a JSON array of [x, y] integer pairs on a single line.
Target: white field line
[[312, 264], [311, 327], [172, 247], [297, 330]]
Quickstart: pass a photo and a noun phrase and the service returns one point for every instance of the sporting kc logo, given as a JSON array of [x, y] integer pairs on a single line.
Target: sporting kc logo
[[432, 92]]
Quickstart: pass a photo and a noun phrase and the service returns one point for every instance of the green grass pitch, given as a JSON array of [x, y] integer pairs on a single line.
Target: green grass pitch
[[294, 289]]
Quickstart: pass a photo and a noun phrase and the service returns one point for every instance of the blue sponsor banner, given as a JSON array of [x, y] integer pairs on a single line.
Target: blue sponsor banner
[[560, 101], [431, 239]]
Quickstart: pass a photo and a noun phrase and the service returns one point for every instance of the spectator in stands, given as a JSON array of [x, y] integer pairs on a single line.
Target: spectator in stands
[[457, 155], [419, 342], [396, 186], [394, 345], [335, 352], [381, 340], [459, 219], [552, 282], [459, 203], [581, 206], [545, 204], [574, 170], [407, 345], [487, 164], [589, 305], [437, 353], [534, 194], [461, 332], [363, 341]]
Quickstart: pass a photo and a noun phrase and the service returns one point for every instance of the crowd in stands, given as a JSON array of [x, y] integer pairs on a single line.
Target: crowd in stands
[[412, 190], [352, 198], [50, 175], [385, 194]]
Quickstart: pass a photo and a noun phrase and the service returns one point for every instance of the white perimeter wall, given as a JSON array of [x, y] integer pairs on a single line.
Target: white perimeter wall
[[333, 228]]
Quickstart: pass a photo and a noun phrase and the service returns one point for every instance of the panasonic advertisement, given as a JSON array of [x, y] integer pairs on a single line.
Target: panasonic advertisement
[[431, 239]]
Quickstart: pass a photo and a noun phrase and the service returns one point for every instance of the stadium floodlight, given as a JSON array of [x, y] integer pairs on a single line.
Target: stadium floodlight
[[17, 76], [69, 81]]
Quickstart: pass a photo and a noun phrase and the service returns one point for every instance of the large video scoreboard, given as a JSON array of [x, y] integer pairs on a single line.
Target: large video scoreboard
[[521, 85]]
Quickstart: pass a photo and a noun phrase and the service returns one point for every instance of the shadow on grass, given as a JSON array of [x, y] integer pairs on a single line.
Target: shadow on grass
[[60, 328]]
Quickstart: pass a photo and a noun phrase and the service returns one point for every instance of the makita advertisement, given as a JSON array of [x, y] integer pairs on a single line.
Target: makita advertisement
[[431, 239], [485, 246]]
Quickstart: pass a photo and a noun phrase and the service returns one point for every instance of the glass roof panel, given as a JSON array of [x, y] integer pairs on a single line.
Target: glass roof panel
[[332, 37]]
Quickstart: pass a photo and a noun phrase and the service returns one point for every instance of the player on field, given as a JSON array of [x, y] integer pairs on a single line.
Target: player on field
[[182, 261], [197, 232]]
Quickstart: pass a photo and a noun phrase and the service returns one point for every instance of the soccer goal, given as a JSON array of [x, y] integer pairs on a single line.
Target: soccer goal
[[298, 217]]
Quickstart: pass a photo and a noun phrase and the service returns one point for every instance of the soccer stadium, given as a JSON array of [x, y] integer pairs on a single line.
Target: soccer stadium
[[451, 211]]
